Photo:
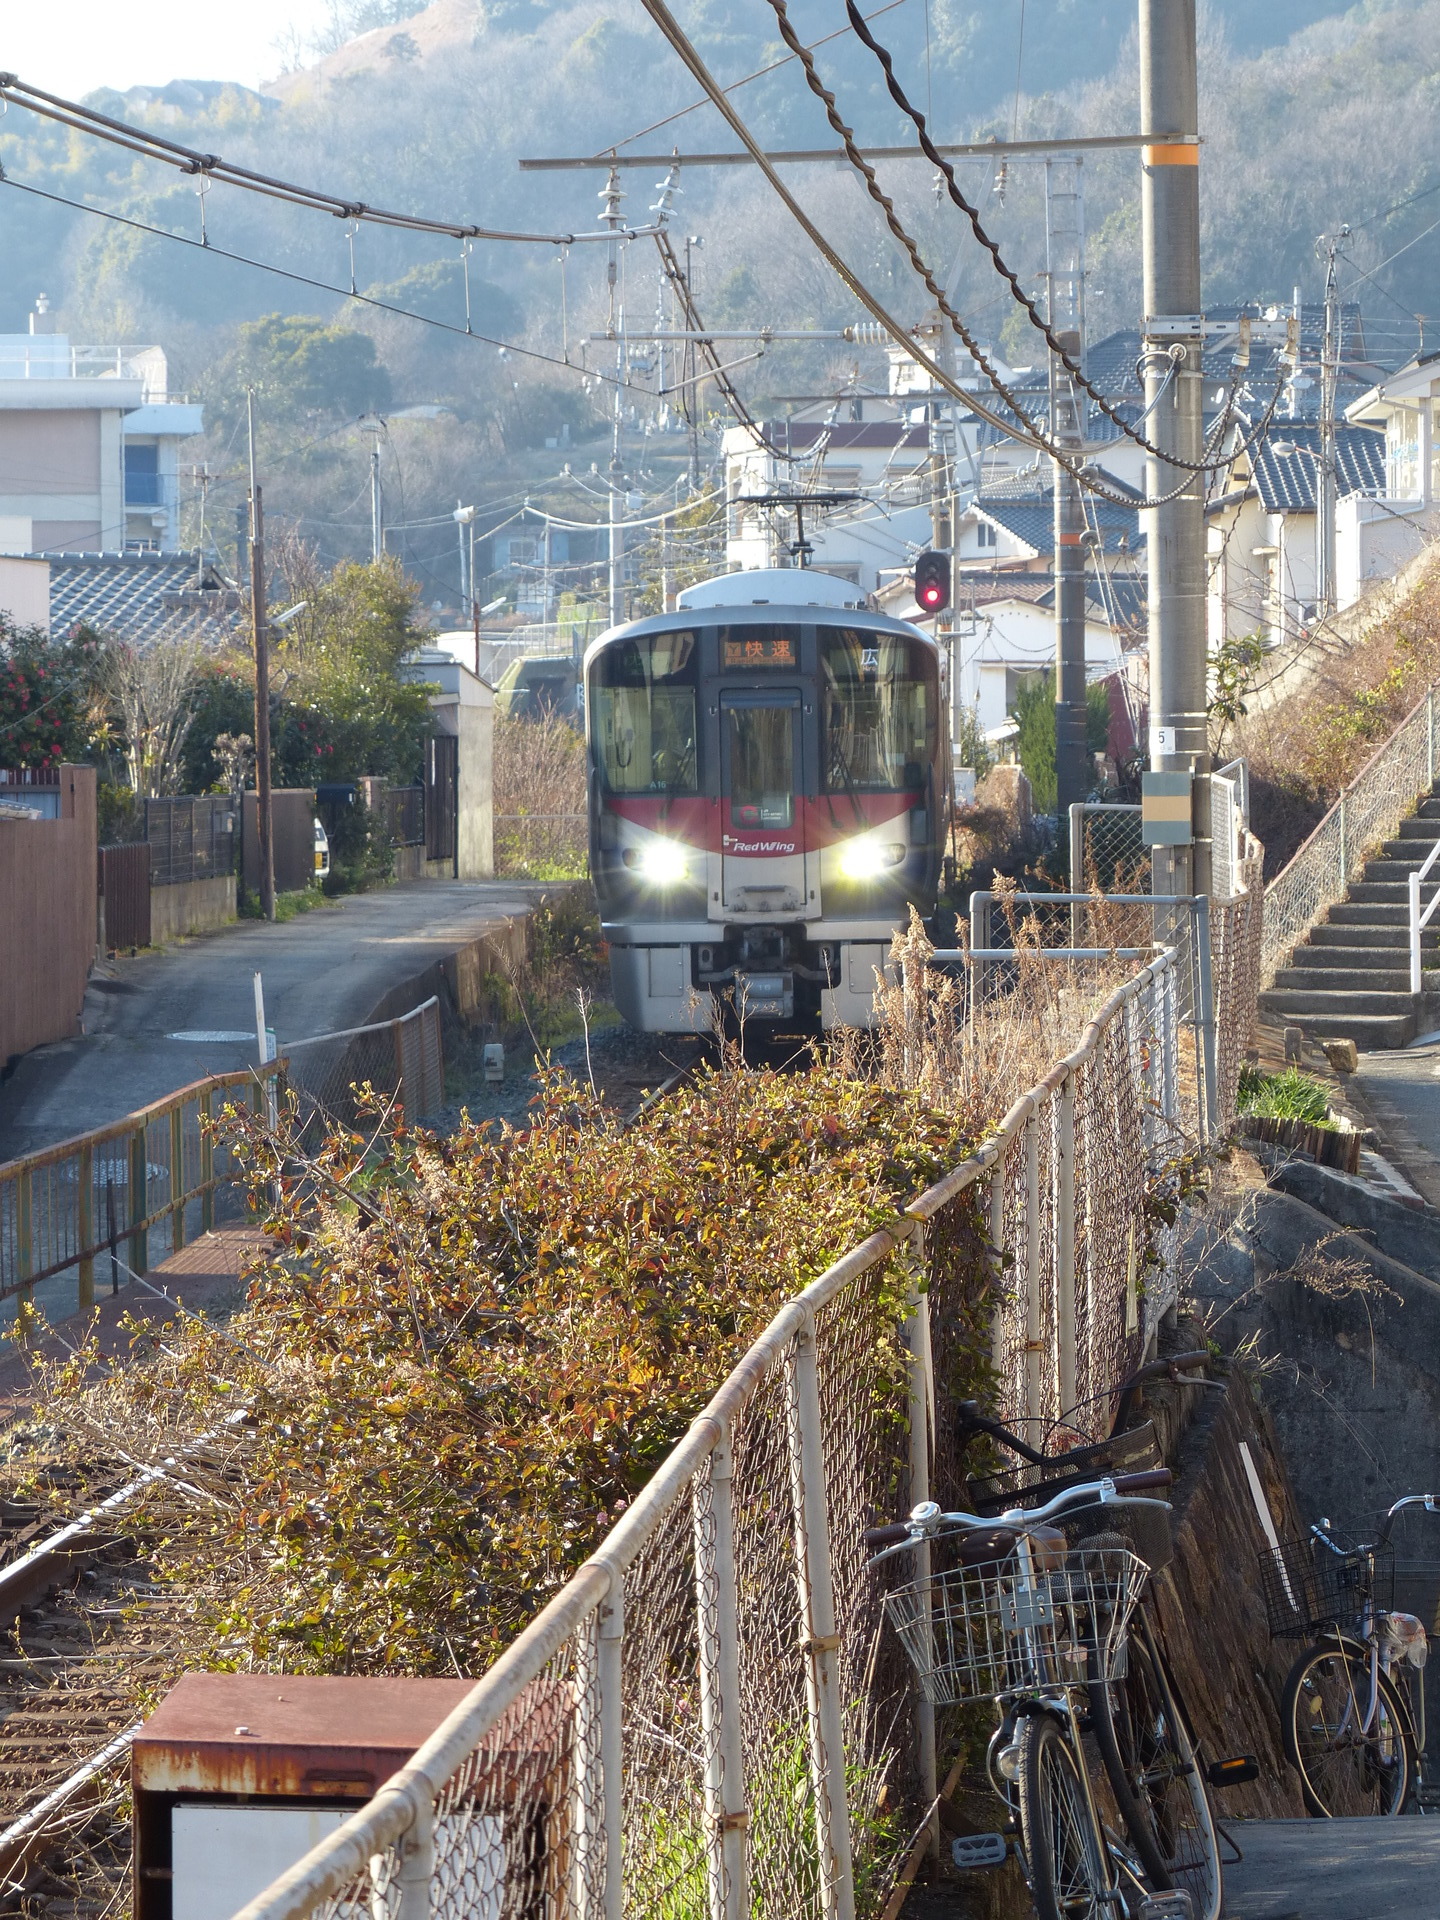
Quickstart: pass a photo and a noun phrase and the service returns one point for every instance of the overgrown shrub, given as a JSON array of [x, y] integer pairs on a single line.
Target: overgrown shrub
[[463, 1357]]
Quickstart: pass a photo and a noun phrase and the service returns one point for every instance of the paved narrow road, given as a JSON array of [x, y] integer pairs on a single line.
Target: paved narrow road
[[1401, 1092], [1335, 1870], [323, 970]]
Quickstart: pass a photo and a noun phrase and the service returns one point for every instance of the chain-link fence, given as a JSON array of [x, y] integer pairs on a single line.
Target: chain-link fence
[[543, 844], [400, 1060], [708, 1718], [1368, 811]]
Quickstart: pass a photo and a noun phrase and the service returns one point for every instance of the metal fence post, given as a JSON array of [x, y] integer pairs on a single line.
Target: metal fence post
[[997, 1264], [85, 1225], [920, 1399], [717, 1604], [207, 1162], [1210, 1104], [177, 1177], [586, 1787], [411, 1896], [820, 1642], [1065, 1242], [402, 1089], [612, 1746], [1034, 1344], [139, 1240], [25, 1235], [1077, 871], [1344, 847], [1430, 737]]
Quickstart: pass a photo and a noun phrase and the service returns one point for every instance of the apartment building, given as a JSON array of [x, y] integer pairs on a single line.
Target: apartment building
[[90, 443]]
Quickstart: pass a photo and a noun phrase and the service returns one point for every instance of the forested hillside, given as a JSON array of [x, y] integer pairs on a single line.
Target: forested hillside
[[432, 110]]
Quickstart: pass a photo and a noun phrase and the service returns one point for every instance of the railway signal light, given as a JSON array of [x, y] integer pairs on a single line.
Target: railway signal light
[[932, 581]]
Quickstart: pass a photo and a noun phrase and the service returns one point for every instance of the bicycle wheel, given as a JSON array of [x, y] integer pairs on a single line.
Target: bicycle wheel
[[1154, 1773], [1350, 1760], [1068, 1880]]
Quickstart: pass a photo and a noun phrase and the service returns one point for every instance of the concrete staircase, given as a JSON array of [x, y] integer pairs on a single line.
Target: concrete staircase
[[1350, 978]]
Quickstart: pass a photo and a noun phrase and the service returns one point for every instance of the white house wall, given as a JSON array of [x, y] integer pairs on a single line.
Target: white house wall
[[1011, 637]]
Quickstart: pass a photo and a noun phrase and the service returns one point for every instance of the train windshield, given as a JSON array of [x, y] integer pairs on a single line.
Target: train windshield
[[879, 706], [643, 703]]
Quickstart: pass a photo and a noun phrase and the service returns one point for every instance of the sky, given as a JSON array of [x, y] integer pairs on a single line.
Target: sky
[[72, 50]]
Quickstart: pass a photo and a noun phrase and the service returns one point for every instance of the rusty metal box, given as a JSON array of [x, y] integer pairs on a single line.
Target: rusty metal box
[[297, 1752]]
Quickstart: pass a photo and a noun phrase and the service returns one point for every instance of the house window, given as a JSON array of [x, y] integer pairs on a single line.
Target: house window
[[984, 534], [142, 476], [520, 553]]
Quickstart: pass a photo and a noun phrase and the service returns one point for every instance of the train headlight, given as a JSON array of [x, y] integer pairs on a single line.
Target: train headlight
[[662, 862], [868, 859]]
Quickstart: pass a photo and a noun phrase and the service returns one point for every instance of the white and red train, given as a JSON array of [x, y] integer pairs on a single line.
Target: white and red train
[[769, 779]]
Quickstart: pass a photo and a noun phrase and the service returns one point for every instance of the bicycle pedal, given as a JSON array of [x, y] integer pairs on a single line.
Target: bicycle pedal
[[971, 1851], [1166, 1906]]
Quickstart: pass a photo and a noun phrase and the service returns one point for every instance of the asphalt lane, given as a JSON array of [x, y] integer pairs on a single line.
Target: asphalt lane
[[1335, 1870], [324, 970], [1401, 1092]]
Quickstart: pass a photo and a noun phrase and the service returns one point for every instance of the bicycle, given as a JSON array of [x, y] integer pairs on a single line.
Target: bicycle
[[1034, 1625], [1139, 1722], [1354, 1736]]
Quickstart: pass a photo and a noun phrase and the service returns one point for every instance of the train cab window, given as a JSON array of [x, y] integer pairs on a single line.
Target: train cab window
[[760, 759], [879, 710], [643, 694]]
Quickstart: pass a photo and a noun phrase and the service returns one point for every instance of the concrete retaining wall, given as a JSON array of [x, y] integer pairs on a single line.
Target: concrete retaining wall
[[194, 906]]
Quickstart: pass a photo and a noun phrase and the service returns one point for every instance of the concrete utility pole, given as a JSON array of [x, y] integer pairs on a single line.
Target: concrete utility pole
[[264, 812], [377, 528], [1170, 227], [1065, 271], [1325, 478], [610, 200]]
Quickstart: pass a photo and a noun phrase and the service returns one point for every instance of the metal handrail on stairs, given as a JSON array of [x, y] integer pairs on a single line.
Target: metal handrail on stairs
[[1420, 919], [1368, 811]]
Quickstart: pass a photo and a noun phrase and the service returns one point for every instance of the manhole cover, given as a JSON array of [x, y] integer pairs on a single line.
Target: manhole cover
[[205, 1035]]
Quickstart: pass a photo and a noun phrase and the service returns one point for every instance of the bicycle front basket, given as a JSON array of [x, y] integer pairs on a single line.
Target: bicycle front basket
[[1308, 1588], [980, 1632]]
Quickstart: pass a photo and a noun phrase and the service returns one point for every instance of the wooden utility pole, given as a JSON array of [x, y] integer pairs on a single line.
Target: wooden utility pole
[[263, 809]]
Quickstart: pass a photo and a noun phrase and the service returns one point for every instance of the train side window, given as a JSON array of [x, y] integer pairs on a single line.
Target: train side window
[[880, 702], [644, 714]]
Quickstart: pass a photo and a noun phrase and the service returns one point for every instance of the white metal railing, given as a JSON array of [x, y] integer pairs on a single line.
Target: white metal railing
[[706, 1718], [1420, 917], [1368, 811]]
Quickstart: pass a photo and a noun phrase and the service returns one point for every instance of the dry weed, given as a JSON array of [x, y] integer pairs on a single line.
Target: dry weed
[[539, 771]]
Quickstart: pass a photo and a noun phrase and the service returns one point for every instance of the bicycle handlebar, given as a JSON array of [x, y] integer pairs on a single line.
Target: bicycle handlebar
[[1430, 1502], [1172, 1369], [1119, 1490]]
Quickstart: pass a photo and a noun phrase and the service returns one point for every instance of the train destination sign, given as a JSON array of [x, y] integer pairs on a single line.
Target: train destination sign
[[771, 652]]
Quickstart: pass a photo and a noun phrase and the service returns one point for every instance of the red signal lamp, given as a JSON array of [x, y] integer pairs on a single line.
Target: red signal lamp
[[932, 581]]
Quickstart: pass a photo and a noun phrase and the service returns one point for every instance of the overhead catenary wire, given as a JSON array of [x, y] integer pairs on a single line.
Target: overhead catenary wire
[[989, 246], [682, 113], [902, 336], [153, 146], [1027, 431], [304, 279]]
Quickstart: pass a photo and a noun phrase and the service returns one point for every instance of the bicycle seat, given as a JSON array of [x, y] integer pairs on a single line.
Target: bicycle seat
[[985, 1546]]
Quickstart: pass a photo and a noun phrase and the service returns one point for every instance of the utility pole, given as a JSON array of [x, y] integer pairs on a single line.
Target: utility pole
[[1065, 271], [1325, 487], [692, 391], [1170, 229], [263, 809], [610, 200], [377, 529]]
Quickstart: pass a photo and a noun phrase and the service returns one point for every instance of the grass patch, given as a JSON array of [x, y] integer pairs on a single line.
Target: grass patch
[[287, 905], [1290, 1095]]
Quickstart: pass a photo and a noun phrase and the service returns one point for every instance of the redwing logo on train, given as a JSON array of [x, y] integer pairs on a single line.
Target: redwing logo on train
[[756, 846]]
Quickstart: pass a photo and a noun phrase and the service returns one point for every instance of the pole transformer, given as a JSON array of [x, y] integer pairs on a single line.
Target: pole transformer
[[1175, 544]]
